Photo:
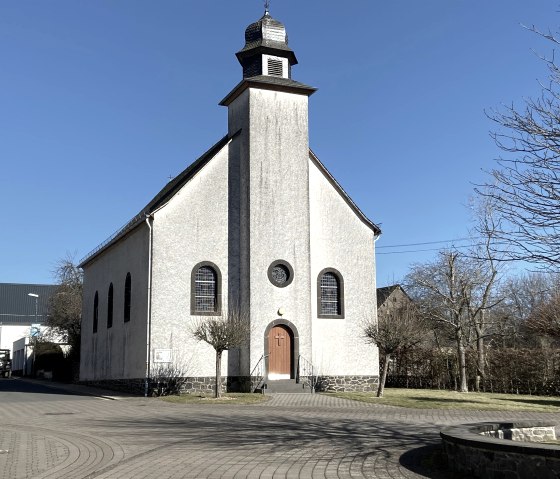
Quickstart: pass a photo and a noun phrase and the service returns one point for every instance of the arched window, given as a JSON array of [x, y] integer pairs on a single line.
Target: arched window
[[110, 307], [95, 312], [127, 297], [330, 294], [206, 289]]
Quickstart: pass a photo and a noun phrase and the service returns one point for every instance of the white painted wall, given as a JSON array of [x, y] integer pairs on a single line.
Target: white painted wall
[[9, 334], [340, 240], [191, 228], [273, 154], [118, 352]]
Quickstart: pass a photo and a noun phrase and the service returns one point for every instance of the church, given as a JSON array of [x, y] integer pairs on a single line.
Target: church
[[256, 224]]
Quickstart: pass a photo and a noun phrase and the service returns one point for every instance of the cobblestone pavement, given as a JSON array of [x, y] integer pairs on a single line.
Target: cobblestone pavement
[[51, 435]]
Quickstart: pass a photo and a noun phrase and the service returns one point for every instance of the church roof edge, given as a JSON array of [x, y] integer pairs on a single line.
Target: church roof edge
[[267, 82], [376, 229], [164, 194]]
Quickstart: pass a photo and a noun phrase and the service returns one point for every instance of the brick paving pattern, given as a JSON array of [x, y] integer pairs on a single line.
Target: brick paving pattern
[[58, 436]]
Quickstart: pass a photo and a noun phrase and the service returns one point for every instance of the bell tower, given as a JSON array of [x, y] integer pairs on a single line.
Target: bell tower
[[269, 213]]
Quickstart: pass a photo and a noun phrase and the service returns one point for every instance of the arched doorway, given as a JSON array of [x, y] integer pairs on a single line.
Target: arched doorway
[[280, 352]]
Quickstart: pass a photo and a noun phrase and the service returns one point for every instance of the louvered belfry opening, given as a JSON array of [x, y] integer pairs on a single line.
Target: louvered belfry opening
[[275, 67]]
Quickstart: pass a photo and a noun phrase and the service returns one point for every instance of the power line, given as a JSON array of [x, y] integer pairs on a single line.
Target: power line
[[426, 243], [420, 250]]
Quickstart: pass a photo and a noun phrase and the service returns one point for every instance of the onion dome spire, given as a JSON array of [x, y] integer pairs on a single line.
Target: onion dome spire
[[266, 51]]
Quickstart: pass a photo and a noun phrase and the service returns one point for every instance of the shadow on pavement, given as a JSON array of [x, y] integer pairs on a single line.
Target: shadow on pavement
[[280, 432], [428, 461], [17, 385]]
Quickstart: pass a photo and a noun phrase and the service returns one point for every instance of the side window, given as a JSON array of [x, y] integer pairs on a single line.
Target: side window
[[110, 307], [330, 294], [127, 297], [206, 289], [95, 312]]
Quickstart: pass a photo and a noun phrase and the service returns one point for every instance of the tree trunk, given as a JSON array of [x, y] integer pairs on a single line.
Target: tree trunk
[[462, 367], [383, 378], [480, 363], [218, 374]]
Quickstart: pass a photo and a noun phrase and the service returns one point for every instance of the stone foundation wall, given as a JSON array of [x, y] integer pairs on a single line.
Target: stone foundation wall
[[484, 451], [190, 385], [347, 383]]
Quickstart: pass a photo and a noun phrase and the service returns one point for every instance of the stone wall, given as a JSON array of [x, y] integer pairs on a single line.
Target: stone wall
[[347, 383], [484, 451], [191, 385], [528, 434]]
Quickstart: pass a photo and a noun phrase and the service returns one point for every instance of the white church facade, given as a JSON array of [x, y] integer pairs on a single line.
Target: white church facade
[[258, 224]]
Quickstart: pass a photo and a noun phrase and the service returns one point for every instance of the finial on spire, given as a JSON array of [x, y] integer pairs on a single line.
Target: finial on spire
[[266, 6]]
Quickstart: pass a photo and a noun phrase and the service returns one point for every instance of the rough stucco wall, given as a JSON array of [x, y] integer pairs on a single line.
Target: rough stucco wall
[[238, 232], [278, 212], [191, 228], [340, 240], [118, 352]]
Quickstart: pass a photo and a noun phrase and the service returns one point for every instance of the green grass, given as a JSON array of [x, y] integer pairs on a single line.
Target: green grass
[[434, 399], [229, 398]]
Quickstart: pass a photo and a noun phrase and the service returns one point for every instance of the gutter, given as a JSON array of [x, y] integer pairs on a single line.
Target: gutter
[[149, 222]]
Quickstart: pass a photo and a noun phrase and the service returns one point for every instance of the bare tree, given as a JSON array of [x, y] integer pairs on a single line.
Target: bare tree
[[522, 296], [395, 332], [65, 307], [223, 333], [545, 317], [485, 260], [441, 290], [526, 186]]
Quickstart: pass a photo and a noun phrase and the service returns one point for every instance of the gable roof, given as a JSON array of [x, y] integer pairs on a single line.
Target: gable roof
[[171, 188], [341, 192], [165, 194], [386, 291], [18, 308]]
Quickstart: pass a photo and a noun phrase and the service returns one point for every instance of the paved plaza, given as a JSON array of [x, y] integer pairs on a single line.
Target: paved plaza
[[51, 433]]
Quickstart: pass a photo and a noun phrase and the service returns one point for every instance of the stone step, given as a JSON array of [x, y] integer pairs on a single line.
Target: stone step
[[286, 386]]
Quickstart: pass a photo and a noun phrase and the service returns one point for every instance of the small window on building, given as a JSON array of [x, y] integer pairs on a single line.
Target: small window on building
[[275, 67], [110, 307], [95, 312], [280, 273], [330, 294], [205, 289], [127, 297]]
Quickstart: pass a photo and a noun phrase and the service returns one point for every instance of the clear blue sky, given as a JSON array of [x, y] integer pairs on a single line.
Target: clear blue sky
[[101, 101]]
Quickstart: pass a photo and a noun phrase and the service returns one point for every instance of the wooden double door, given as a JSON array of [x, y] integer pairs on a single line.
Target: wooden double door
[[280, 353]]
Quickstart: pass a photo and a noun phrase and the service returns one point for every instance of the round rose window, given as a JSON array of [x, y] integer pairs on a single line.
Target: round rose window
[[280, 273]]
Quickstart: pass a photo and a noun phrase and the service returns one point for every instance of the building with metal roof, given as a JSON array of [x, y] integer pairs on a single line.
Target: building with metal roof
[[22, 305]]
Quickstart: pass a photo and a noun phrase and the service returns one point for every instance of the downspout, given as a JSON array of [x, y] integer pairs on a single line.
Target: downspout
[[149, 308]]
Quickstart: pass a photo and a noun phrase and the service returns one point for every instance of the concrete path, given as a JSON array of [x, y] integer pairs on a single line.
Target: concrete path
[[49, 433]]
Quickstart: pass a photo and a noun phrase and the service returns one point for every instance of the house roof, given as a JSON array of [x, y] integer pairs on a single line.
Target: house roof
[[18, 308], [386, 291], [169, 190]]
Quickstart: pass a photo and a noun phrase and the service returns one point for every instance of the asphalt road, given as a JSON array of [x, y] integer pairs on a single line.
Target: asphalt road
[[49, 433]]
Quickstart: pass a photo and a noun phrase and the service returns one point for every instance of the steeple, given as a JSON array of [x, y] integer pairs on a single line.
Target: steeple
[[266, 51]]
